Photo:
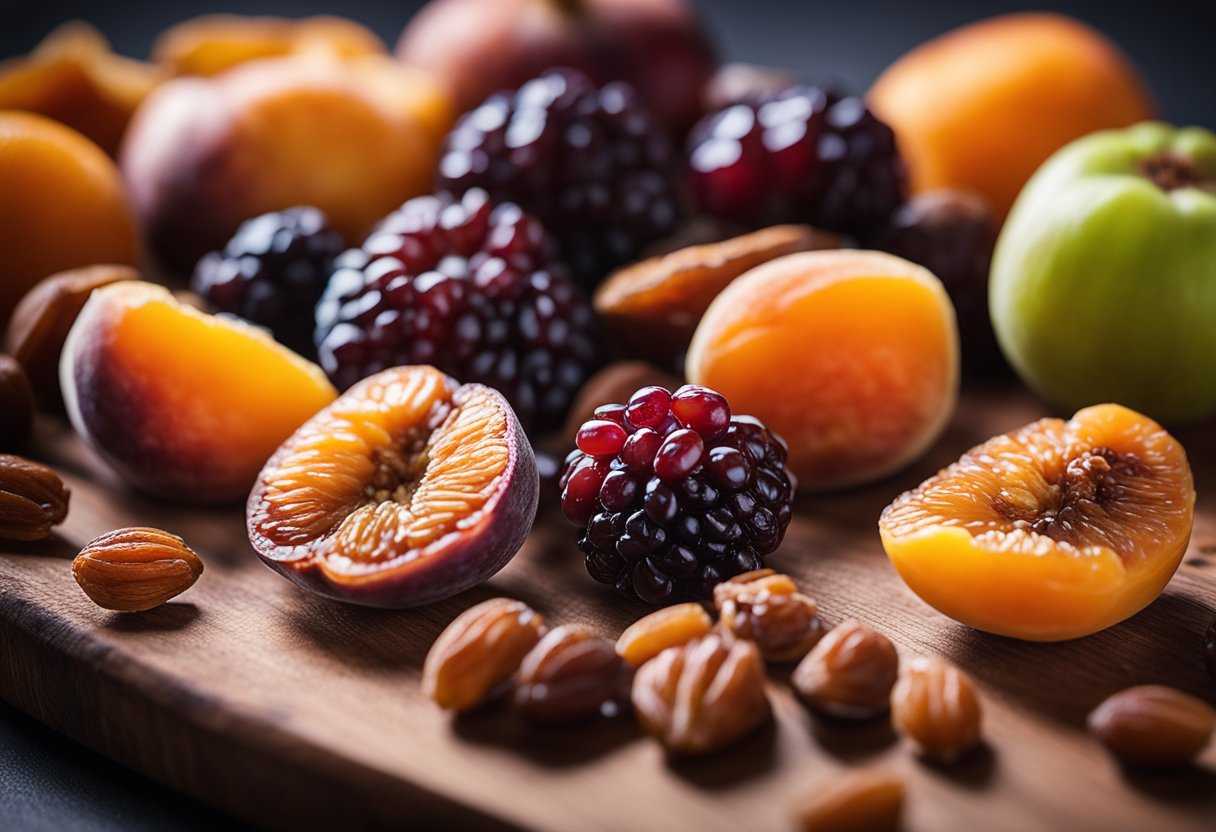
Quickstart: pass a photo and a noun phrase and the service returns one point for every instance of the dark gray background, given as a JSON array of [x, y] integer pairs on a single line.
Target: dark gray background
[[46, 782]]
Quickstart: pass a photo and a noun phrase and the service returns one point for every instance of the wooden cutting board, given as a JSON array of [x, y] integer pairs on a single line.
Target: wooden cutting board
[[294, 711]]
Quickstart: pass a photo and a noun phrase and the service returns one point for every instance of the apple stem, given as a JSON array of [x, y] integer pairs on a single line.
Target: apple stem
[[1170, 172]]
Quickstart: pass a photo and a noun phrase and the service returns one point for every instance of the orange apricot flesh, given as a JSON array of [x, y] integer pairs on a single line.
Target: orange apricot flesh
[[1051, 532], [182, 404], [851, 356]]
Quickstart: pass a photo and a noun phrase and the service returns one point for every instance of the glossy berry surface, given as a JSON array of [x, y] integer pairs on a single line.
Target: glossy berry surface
[[470, 287], [803, 154], [690, 497], [589, 161], [272, 273]]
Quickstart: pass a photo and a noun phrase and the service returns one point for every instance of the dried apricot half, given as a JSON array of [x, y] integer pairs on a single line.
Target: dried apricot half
[[1050, 532], [407, 489]]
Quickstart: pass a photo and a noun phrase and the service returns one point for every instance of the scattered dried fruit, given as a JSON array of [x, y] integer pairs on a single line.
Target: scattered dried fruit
[[16, 405], [765, 608], [653, 306], [849, 673], [936, 706], [479, 651], [32, 499], [571, 674], [407, 489], [703, 695], [43, 318], [672, 626], [864, 801], [1153, 726], [136, 569]]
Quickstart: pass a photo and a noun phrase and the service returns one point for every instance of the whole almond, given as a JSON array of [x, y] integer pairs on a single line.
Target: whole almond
[[703, 695], [669, 627], [479, 651], [936, 706], [571, 674], [1153, 725], [135, 569], [32, 499], [16, 405], [849, 673], [864, 801]]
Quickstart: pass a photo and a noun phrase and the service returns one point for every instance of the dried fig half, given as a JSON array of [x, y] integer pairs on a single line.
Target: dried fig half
[[407, 489]]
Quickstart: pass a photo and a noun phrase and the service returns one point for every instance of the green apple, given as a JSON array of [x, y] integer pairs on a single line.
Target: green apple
[[1103, 282]]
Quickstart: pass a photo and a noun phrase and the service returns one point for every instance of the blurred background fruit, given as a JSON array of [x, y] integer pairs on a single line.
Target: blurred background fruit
[[983, 106], [62, 205]]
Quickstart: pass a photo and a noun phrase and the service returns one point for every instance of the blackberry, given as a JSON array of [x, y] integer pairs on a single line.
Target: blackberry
[[674, 494], [590, 162], [470, 287], [803, 154], [272, 273]]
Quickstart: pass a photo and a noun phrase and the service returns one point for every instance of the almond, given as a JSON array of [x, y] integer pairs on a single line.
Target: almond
[[849, 673], [571, 674], [1152, 725], [32, 499], [936, 706], [864, 801], [135, 569]]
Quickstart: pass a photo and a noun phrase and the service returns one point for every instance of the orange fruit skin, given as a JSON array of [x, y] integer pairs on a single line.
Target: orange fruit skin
[[62, 205], [982, 107], [851, 356], [184, 405], [1033, 590]]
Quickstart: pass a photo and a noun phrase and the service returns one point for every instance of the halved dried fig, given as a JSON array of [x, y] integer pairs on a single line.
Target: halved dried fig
[[407, 489], [653, 306]]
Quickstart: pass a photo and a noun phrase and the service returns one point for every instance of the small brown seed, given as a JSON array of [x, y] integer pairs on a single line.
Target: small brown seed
[[136, 569], [936, 706], [765, 607], [479, 651], [849, 673], [669, 627], [703, 695], [32, 499], [571, 674], [1153, 725], [864, 801], [16, 405]]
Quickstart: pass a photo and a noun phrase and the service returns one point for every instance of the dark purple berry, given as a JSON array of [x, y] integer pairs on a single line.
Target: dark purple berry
[[680, 452]]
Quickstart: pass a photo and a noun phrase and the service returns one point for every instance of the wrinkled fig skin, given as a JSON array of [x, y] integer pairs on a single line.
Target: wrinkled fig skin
[[482, 46], [457, 562]]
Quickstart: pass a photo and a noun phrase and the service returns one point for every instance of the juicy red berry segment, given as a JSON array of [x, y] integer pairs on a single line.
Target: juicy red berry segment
[[803, 154], [669, 515], [590, 162], [272, 273], [701, 409], [474, 289], [601, 438]]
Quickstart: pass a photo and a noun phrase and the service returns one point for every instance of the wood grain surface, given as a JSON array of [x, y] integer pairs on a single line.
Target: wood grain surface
[[294, 711]]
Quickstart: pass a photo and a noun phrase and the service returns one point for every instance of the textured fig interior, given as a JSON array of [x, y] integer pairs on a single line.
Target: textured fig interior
[[380, 476], [1108, 479]]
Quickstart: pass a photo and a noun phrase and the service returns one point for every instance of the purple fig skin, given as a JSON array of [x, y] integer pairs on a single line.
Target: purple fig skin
[[461, 559], [480, 47]]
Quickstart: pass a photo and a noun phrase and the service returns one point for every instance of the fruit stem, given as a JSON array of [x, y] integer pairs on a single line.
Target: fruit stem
[[1170, 172]]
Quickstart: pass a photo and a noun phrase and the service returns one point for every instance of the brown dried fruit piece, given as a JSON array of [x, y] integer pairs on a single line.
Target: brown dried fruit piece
[[703, 695], [479, 651], [849, 673], [43, 318], [1153, 726], [32, 499], [571, 674], [74, 78], [16, 405], [614, 383], [407, 489], [136, 569], [669, 627], [654, 306], [936, 706], [765, 607], [864, 801]]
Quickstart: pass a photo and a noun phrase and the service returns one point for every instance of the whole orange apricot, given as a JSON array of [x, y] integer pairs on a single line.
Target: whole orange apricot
[[62, 205], [982, 107], [851, 356]]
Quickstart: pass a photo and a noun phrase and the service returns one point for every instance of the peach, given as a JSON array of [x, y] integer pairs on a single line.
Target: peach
[[982, 107], [851, 356], [182, 404], [62, 205], [353, 137]]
